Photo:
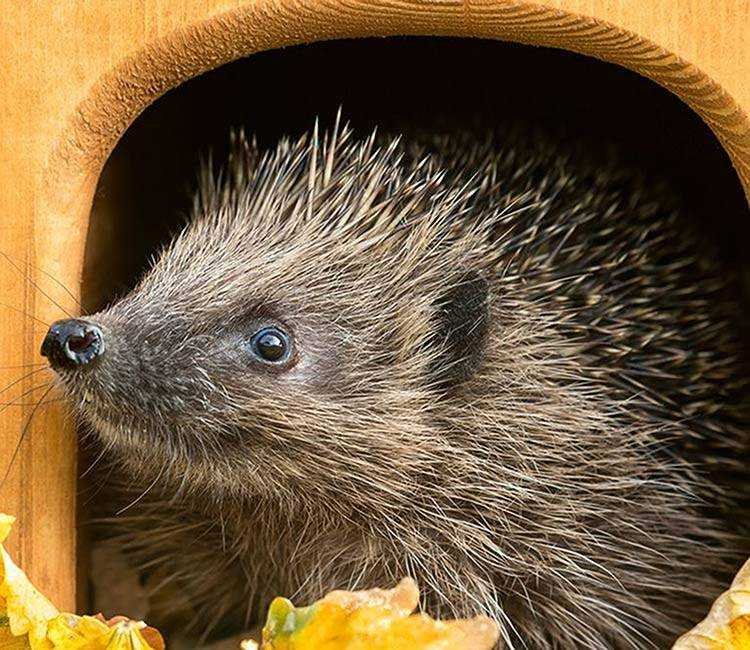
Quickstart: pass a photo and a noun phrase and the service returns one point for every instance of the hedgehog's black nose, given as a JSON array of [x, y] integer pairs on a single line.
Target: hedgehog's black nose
[[71, 343]]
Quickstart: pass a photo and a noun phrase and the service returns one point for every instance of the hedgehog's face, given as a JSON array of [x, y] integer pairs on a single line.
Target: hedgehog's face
[[268, 357], [293, 378]]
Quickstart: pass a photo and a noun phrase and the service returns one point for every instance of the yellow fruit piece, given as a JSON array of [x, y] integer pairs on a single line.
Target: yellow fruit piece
[[26, 610], [370, 620], [73, 632], [28, 621], [68, 632], [727, 626]]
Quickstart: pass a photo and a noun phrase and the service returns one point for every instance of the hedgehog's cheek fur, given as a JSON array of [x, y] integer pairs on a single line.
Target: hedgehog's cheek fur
[[262, 451]]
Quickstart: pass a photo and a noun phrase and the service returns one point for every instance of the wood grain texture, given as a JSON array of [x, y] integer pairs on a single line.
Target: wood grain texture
[[75, 73]]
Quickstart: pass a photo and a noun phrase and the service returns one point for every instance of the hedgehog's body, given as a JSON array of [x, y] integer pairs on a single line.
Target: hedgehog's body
[[502, 359]]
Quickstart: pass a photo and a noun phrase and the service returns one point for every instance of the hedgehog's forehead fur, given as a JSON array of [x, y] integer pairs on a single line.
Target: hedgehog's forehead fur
[[320, 224]]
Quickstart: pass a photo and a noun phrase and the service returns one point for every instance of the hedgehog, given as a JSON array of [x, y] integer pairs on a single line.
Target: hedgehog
[[502, 364]]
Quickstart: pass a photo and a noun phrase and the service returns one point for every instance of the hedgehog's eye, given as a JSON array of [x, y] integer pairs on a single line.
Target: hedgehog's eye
[[271, 345]]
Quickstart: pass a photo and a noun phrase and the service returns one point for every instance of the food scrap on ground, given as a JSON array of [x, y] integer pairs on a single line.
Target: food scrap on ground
[[377, 619], [28, 621]]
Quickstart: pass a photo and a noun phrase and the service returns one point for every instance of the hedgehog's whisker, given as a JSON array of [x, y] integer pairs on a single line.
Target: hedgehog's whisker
[[28, 277], [19, 403], [143, 494], [96, 460], [24, 431], [15, 401], [24, 365], [23, 378], [49, 275], [25, 313]]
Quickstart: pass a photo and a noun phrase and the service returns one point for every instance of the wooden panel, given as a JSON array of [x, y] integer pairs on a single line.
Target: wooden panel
[[75, 73]]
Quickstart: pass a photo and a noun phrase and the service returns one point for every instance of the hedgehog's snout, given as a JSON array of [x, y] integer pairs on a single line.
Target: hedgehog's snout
[[72, 343]]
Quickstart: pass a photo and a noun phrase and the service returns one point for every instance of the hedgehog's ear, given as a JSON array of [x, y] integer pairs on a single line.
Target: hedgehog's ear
[[460, 330]]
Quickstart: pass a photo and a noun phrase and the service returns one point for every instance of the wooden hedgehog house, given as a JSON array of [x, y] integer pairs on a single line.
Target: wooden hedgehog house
[[166, 79]]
